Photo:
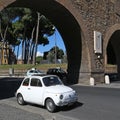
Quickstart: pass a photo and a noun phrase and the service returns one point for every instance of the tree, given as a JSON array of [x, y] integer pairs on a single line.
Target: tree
[[39, 59], [22, 25], [55, 53], [59, 52], [36, 29], [50, 57], [7, 35]]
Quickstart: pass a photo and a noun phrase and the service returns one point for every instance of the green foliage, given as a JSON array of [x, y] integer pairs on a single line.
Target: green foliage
[[43, 40], [18, 29], [46, 26], [20, 25], [55, 53], [44, 67], [59, 52], [51, 57], [39, 59]]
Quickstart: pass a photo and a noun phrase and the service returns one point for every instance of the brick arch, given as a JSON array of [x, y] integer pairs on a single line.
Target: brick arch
[[109, 33], [112, 35], [71, 26]]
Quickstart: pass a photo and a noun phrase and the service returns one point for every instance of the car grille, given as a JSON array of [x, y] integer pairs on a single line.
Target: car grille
[[70, 95]]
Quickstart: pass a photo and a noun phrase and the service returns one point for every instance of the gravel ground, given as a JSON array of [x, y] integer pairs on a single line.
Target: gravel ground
[[11, 113]]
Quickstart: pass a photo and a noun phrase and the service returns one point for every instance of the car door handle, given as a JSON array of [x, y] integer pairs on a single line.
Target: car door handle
[[28, 88]]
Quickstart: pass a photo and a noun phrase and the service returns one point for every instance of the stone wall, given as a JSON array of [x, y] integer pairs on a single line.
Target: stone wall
[[99, 15], [91, 15]]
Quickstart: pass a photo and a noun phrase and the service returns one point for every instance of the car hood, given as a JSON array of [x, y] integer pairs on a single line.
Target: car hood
[[58, 89]]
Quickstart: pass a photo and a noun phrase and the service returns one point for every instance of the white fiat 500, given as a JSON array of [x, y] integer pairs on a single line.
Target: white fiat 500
[[45, 90]]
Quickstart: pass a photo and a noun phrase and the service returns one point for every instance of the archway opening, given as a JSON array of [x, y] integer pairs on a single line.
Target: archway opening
[[113, 56], [67, 26]]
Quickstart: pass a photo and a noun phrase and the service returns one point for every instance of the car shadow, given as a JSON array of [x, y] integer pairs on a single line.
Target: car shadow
[[64, 108], [8, 86], [71, 107]]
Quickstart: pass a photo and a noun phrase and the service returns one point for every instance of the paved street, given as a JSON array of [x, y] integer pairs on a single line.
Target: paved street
[[7, 112], [98, 103], [95, 103]]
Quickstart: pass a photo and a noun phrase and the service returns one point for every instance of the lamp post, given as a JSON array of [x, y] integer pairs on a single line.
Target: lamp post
[[55, 49]]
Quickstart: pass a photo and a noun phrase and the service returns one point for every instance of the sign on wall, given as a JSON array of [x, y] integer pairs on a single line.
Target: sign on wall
[[97, 42]]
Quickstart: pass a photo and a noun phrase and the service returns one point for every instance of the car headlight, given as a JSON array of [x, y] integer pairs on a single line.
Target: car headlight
[[61, 97], [75, 93]]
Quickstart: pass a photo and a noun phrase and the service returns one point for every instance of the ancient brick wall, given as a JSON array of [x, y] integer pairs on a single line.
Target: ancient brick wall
[[99, 15], [92, 15]]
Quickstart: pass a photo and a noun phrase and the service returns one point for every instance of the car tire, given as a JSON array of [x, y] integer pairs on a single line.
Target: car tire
[[50, 105], [20, 99]]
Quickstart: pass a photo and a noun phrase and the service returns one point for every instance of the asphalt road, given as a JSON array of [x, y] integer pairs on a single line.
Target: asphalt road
[[98, 103], [95, 103]]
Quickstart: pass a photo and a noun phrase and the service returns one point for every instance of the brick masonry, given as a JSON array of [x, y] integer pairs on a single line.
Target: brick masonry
[[91, 15]]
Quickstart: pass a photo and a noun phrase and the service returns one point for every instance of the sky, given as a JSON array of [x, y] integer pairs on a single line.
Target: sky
[[52, 39]]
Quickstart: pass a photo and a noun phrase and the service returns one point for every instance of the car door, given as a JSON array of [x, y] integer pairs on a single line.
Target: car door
[[24, 89], [36, 91]]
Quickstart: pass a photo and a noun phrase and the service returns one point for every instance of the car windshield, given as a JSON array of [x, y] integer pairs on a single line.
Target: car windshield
[[52, 80], [35, 71], [61, 71], [39, 71]]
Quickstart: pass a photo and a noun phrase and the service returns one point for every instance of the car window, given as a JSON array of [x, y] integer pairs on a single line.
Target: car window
[[35, 82], [50, 71], [39, 71], [31, 71], [26, 82], [52, 80], [61, 71], [54, 71], [35, 71]]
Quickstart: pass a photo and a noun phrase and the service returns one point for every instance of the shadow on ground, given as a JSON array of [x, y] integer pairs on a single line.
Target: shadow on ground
[[64, 108], [68, 108], [8, 87], [113, 77]]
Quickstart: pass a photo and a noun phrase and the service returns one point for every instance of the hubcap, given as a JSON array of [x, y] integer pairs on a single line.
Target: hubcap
[[49, 106], [20, 99]]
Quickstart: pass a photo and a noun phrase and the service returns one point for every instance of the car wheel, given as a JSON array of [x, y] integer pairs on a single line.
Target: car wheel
[[50, 105], [20, 99]]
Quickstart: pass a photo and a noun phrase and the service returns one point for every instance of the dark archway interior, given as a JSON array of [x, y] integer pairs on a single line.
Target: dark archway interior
[[111, 57], [66, 25], [113, 50]]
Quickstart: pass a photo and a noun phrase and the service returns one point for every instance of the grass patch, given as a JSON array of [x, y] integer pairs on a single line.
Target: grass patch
[[29, 66]]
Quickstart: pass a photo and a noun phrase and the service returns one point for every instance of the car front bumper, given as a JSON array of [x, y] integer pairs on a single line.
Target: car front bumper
[[69, 101]]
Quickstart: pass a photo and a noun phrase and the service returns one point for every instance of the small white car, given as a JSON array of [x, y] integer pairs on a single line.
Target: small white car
[[45, 90], [34, 71]]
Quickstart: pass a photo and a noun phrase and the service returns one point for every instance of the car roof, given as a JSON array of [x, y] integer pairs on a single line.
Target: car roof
[[39, 75]]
